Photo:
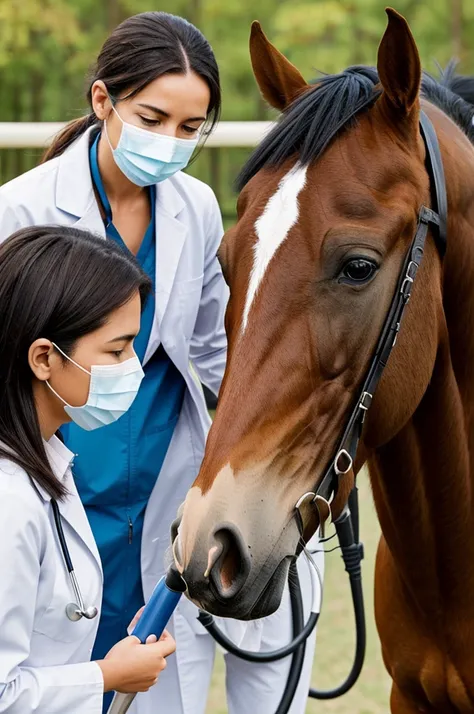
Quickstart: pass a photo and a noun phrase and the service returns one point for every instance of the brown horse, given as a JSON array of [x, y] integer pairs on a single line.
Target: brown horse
[[327, 213]]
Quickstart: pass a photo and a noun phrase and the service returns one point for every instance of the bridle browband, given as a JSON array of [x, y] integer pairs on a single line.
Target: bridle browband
[[437, 218]]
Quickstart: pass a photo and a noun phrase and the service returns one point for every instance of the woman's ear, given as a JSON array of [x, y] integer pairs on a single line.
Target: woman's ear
[[100, 100], [40, 356]]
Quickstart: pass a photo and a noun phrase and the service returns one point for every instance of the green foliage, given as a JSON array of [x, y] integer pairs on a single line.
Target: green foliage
[[47, 47]]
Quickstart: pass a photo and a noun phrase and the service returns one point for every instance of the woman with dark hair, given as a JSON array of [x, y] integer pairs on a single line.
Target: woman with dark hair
[[154, 94], [69, 313]]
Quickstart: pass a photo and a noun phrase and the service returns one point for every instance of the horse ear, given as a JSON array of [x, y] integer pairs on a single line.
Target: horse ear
[[279, 80], [398, 65]]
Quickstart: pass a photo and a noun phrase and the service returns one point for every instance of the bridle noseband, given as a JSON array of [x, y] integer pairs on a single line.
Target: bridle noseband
[[436, 217]]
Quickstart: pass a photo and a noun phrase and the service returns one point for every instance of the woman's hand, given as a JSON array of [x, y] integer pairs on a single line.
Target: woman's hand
[[131, 667]]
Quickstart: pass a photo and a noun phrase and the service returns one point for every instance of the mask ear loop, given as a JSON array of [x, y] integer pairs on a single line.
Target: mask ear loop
[[105, 128], [71, 360], [76, 365], [58, 395], [112, 104]]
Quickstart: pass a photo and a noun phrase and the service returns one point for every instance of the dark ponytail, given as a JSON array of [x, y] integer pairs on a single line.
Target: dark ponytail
[[72, 131], [59, 283], [141, 49]]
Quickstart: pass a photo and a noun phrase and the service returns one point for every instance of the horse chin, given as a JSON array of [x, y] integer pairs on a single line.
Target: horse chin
[[261, 600], [270, 598]]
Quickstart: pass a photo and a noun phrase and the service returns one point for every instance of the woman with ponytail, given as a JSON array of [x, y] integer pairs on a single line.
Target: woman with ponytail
[[154, 95]]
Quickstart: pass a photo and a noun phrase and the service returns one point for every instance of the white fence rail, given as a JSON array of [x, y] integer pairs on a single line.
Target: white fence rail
[[25, 135]]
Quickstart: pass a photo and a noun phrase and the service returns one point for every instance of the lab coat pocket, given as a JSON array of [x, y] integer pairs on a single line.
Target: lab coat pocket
[[189, 292], [55, 625], [54, 622]]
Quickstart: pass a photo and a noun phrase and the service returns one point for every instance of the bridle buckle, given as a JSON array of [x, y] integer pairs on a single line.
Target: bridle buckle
[[365, 401], [408, 280], [343, 462]]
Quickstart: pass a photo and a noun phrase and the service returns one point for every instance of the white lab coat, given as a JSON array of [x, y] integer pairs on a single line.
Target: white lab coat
[[44, 657], [191, 296]]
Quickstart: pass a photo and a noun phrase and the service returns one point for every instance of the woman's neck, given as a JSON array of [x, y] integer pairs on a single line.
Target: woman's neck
[[49, 410], [117, 186]]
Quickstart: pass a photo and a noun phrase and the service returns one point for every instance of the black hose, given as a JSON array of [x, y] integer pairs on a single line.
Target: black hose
[[352, 554], [297, 659], [353, 503], [296, 650], [208, 622]]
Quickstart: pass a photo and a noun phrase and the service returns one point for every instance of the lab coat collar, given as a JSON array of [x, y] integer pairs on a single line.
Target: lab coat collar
[[59, 457], [71, 508], [74, 190], [60, 460]]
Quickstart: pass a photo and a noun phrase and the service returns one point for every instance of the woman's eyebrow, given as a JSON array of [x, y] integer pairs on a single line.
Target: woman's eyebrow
[[123, 338], [164, 114]]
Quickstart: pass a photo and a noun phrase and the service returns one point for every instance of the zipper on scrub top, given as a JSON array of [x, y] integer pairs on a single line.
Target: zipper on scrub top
[[130, 530]]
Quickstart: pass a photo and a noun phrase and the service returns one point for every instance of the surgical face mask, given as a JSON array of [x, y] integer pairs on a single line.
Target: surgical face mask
[[146, 158], [112, 389]]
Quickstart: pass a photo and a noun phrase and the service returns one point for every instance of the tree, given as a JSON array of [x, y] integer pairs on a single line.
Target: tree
[[47, 48]]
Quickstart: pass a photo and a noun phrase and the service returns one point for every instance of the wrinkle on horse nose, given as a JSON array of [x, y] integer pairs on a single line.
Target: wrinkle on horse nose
[[228, 562]]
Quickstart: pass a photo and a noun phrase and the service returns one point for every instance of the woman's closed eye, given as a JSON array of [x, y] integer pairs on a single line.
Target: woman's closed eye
[[150, 122], [191, 130]]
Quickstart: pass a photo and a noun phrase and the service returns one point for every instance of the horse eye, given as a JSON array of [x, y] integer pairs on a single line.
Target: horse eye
[[359, 270]]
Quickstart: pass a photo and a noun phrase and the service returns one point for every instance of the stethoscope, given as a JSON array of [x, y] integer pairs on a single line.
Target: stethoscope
[[73, 611]]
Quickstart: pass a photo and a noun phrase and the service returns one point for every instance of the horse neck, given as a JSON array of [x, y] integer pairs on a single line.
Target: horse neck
[[423, 478]]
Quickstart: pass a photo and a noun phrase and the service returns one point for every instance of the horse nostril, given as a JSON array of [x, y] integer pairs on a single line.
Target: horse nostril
[[231, 569]]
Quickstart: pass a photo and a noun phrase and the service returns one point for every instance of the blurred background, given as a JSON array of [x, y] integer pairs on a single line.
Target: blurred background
[[46, 49]]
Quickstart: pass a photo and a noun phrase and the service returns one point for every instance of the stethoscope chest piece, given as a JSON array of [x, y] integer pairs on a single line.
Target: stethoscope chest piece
[[73, 613]]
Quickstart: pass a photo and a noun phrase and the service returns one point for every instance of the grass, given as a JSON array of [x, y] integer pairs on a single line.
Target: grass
[[335, 642]]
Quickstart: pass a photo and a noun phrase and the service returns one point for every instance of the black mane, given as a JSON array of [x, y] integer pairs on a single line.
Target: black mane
[[309, 124]]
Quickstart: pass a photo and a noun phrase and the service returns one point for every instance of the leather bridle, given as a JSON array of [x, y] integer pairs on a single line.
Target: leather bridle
[[437, 218]]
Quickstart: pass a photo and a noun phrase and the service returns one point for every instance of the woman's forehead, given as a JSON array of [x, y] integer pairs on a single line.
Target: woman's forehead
[[187, 93]]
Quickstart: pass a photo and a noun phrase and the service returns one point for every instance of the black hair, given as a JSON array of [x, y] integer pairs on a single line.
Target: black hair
[[141, 49], [312, 121], [58, 283]]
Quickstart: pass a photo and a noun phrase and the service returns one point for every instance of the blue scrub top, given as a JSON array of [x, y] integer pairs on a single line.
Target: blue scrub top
[[116, 466]]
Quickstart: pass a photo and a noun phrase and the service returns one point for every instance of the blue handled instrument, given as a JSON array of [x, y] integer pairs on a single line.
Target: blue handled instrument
[[153, 621]]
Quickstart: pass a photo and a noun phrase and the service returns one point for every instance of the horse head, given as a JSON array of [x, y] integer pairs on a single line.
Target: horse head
[[328, 208]]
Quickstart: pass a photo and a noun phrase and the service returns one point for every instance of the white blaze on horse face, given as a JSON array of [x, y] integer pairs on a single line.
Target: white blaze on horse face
[[272, 227]]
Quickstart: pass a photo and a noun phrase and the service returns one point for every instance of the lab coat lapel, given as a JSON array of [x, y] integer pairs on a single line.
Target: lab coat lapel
[[72, 511], [74, 191], [70, 508], [170, 237]]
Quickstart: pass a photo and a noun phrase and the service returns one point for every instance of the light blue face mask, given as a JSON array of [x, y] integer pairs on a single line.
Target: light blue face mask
[[112, 389], [147, 158]]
